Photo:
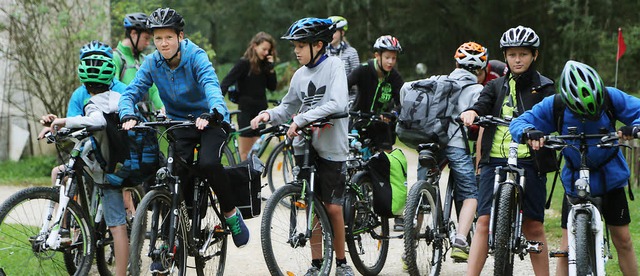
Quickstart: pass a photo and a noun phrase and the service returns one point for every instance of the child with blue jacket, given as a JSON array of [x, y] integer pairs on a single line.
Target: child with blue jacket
[[584, 95]]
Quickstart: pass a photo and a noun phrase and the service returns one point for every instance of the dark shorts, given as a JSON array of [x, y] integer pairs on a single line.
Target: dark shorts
[[329, 178], [534, 195], [244, 120], [614, 209]]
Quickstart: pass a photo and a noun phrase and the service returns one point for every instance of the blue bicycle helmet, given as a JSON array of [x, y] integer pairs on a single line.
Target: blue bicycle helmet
[[96, 47], [136, 20], [310, 30]]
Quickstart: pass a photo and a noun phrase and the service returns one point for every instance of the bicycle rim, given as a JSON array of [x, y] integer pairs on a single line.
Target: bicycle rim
[[367, 252], [285, 248], [422, 250], [105, 252], [151, 225], [505, 216], [213, 240], [21, 216]]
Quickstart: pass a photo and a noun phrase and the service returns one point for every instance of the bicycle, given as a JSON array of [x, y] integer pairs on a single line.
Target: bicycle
[[56, 230], [588, 246], [429, 229], [303, 221], [367, 233], [165, 230]]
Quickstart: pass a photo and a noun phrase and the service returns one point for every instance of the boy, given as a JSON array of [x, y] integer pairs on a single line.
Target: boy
[[188, 85], [317, 90], [510, 96], [96, 73], [584, 95]]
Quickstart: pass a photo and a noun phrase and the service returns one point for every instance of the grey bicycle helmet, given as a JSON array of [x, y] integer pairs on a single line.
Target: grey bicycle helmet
[[582, 89], [519, 37], [387, 43], [165, 18]]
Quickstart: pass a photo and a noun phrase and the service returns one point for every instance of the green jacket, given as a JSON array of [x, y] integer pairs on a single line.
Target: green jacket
[[127, 67]]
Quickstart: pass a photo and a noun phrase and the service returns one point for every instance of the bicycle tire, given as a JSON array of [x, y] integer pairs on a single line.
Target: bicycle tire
[[281, 162], [505, 217], [20, 221], [367, 252], [156, 205], [228, 158], [105, 254], [585, 255], [284, 247], [423, 250], [212, 262]]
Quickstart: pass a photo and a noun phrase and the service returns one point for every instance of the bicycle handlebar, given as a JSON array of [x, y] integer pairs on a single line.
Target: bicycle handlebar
[[373, 116], [488, 120], [558, 142]]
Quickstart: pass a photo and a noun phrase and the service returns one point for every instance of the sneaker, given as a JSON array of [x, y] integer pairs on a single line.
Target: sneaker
[[239, 230], [398, 225], [157, 267], [459, 251], [344, 270], [313, 271]]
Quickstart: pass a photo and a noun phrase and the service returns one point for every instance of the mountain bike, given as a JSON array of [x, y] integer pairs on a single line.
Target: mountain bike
[[165, 230], [588, 246], [289, 230], [429, 228], [367, 233], [56, 230]]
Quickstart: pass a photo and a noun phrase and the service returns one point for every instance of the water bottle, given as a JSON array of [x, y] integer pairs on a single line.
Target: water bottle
[[256, 146]]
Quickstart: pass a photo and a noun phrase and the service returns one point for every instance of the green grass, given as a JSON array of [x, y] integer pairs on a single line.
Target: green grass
[[32, 171], [15, 241], [554, 232]]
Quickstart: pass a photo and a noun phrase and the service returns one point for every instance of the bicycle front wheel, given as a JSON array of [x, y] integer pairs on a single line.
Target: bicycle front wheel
[[105, 252], [150, 251], [23, 244], [212, 249], [366, 232], [286, 244], [423, 249], [505, 216], [585, 245]]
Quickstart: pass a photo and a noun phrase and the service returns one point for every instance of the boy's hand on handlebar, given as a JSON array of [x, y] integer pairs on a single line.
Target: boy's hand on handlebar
[[628, 132], [129, 122], [293, 130], [46, 120], [262, 117], [468, 117], [535, 138]]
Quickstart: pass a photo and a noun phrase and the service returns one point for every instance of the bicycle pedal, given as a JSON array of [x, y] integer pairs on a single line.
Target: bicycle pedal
[[534, 247], [558, 254]]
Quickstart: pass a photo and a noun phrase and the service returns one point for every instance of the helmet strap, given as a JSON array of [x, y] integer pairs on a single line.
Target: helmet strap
[[134, 46]]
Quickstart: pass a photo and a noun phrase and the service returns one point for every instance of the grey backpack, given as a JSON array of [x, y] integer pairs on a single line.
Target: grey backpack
[[427, 110]]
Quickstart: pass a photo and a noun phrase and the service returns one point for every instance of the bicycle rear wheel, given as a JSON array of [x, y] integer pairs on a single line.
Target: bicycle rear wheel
[[585, 241], [366, 232], [212, 249], [105, 254], [22, 244], [286, 248], [505, 216], [423, 249], [150, 237]]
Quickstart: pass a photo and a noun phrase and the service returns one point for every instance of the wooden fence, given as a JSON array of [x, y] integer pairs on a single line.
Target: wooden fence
[[633, 159]]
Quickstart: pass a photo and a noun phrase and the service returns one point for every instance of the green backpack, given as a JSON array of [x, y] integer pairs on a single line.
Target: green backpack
[[389, 178]]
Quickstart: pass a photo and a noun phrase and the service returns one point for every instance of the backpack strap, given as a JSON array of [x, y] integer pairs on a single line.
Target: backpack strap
[[125, 65]]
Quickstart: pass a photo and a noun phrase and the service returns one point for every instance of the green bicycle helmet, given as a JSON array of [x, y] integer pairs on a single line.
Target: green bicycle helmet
[[582, 89], [96, 69]]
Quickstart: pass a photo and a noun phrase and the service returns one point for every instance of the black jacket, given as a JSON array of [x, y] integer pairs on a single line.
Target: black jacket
[[531, 88], [365, 77], [252, 88]]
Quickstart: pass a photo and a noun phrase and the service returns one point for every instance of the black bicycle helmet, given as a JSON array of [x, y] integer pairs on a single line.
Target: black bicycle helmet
[[136, 21], [165, 18], [519, 37], [310, 30]]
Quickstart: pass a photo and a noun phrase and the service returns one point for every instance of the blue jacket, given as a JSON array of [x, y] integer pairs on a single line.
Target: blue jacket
[[192, 88], [81, 96], [604, 176]]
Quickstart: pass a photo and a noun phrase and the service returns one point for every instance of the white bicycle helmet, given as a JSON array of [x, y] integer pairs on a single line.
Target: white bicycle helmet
[[519, 37], [471, 56], [387, 43]]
